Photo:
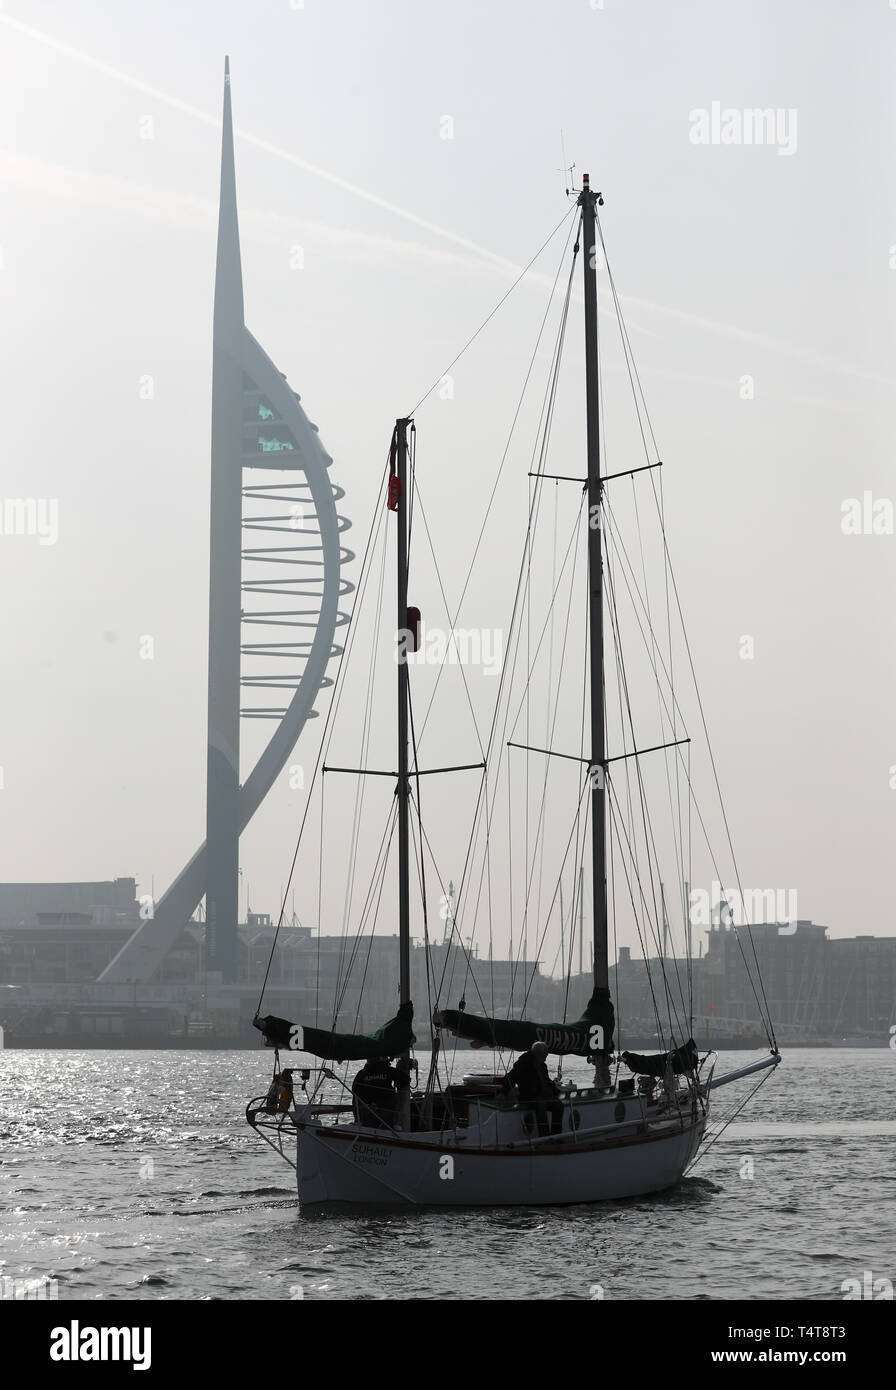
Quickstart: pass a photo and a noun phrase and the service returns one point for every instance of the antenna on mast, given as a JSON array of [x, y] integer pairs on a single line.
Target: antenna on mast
[[565, 168]]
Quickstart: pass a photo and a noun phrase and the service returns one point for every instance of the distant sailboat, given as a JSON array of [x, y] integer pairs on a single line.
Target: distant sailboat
[[618, 1137]]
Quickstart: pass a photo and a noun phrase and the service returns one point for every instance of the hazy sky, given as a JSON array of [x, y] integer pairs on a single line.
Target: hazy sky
[[773, 261]]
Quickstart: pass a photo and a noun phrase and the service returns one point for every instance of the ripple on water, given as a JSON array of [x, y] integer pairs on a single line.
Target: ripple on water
[[825, 1125]]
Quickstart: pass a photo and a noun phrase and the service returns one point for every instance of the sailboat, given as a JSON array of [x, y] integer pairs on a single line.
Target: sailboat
[[475, 1142]]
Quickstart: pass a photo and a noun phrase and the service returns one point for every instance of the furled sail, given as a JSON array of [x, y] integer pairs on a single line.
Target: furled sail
[[684, 1058], [592, 1033], [394, 1038]]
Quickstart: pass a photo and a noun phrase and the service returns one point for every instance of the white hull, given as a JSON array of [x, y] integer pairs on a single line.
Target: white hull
[[495, 1163]]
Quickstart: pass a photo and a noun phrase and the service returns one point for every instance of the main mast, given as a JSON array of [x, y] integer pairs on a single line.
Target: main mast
[[587, 202], [404, 913]]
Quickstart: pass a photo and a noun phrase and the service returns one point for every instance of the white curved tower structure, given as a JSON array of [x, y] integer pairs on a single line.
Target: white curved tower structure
[[257, 423]]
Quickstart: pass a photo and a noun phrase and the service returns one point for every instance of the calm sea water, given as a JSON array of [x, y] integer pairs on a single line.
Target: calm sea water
[[134, 1175]]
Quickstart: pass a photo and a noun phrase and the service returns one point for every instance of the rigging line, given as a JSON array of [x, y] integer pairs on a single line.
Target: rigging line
[[370, 906], [586, 786], [485, 870], [320, 883], [640, 397], [331, 709], [542, 460], [675, 1018], [614, 536], [514, 634], [451, 630], [628, 355], [637, 391], [766, 1018], [652, 652], [363, 982], [510, 875], [360, 788], [469, 850], [612, 875], [704, 1149], [649, 839], [421, 865], [491, 968], [571, 548], [630, 835], [539, 833], [463, 949], [685, 869], [619, 547], [372, 896], [361, 784], [503, 462], [544, 431], [378, 875], [576, 866], [676, 763], [692, 801], [527, 769], [545, 427], [328, 727], [418, 859], [632, 838], [433, 1078], [488, 319], [567, 965], [507, 680], [579, 824], [507, 677], [672, 688], [482, 807], [687, 907], [674, 728], [617, 820], [576, 926]]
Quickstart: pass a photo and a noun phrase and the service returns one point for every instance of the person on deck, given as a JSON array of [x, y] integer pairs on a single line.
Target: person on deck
[[287, 1094], [529, 1074], [280, 1093], [374, 1092]]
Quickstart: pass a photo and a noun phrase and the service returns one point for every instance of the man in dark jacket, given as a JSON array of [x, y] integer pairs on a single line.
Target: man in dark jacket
[[529, 1074], [374, 1092]]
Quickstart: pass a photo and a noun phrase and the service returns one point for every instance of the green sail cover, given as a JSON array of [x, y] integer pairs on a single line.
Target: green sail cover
[[591, 1033], [394, 1038]]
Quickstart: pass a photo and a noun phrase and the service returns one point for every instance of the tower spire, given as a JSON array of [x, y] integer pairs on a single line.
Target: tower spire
[[228, 270], [223, 782]]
